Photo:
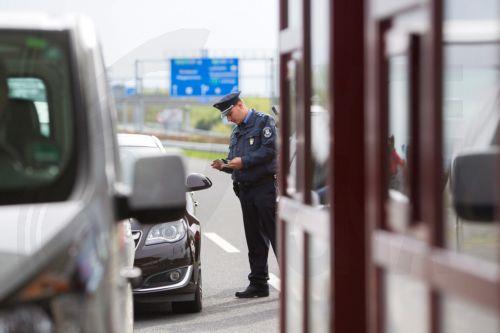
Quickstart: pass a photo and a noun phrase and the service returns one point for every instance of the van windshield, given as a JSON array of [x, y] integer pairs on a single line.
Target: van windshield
[[37, 139]]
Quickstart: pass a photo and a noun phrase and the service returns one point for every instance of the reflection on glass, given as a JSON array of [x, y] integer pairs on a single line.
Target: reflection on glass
[[398, 141], [320, 120], [463, 317], [406, 304], [292, 81], [32, 89], [471, 128], [319, 285], [294, 13], [295, 278]]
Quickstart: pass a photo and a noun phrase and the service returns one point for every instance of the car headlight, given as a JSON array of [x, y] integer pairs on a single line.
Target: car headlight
[[166, 232]]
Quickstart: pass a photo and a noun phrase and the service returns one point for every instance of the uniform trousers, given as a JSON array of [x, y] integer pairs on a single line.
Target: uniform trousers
[[258, 204]]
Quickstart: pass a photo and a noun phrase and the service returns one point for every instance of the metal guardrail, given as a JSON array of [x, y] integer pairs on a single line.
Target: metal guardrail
[[155, 129], [208, 147]]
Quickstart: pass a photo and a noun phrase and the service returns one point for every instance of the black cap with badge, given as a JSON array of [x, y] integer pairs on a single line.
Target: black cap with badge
[[225, 104]]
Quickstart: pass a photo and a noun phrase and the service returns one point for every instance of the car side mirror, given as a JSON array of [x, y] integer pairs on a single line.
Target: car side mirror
[[197, 181], [158, 192], [474, 184]]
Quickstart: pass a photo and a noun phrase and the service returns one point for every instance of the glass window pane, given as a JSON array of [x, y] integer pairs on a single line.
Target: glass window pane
[[398, 143], [471, 128], [294, 13], [463, 317], [399, 132], [407, 303], [295, 278], [319, 285], [292, 84], [320, 119], [471, 11], [403, 45], [37, 139]]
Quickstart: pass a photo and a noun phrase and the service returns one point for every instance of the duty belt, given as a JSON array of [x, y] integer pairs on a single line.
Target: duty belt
[[264, 180]]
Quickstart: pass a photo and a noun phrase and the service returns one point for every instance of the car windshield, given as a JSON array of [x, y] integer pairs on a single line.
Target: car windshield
[[37, 129], [128, 156]]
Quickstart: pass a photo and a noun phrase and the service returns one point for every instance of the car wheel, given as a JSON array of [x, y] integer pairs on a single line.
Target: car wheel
[[192, 306]]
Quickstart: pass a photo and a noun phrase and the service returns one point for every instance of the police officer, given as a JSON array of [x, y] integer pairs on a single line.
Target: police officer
[[252, 163]]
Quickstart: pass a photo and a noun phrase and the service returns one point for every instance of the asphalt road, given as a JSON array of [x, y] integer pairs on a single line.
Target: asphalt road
[[225, 269]]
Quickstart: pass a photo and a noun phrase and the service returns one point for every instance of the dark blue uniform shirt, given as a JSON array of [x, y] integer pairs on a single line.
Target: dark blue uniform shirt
[[254, 140]]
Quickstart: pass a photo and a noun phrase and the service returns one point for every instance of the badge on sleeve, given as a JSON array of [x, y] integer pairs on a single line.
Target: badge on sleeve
[[267, 132], [251, 141]]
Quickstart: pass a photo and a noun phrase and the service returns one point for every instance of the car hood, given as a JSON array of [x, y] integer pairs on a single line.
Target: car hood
[[136, 225]]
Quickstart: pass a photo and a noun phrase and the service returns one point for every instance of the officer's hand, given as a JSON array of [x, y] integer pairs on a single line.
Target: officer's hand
[[235, 163], [217, 164]]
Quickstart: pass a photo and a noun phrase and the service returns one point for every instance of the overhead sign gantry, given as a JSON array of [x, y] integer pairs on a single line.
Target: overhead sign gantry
[[198, 77]]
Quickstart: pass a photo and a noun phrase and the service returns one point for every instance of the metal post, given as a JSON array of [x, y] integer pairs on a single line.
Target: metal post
[[185, 119]]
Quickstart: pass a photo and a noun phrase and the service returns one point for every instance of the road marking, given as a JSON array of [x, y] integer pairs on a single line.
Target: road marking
[[221, 242], [274, 281]]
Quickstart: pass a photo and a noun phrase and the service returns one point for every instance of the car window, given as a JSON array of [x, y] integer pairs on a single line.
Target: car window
[[37, 129]]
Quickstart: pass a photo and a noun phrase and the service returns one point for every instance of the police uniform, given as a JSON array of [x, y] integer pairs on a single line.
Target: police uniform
[[254, 140]]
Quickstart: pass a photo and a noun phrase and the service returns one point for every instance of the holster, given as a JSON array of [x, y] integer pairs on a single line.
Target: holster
[[236, 189]]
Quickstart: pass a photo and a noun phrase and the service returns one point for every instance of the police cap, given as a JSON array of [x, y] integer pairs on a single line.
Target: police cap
[[225, 104]]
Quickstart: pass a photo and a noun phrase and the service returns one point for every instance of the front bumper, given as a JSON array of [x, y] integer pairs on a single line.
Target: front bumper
[[181, 291]]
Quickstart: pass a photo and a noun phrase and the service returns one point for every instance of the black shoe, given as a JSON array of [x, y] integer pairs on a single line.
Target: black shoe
[[253, 291]]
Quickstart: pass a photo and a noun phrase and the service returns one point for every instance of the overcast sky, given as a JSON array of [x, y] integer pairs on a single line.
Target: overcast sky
[[124, 25]]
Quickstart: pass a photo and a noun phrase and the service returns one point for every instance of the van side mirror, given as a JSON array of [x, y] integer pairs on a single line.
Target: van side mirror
[[475, 180], [197, 181], [158, 192]]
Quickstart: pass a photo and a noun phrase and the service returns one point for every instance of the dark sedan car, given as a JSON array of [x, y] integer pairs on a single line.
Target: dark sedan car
[[169, 253]]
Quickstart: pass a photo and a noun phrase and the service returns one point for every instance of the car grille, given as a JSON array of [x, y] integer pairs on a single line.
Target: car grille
[[136, 235]]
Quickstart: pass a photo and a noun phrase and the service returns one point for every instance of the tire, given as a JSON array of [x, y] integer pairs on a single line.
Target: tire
[[191, 306]]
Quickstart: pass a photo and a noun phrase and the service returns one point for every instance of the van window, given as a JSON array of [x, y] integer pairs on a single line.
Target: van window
[[32, 89], [37, 130]]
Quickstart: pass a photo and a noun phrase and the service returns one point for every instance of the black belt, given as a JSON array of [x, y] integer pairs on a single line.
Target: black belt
[[264, 180]]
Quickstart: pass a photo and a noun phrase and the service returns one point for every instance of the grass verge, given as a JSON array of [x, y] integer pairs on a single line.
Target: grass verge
[[206, 155]]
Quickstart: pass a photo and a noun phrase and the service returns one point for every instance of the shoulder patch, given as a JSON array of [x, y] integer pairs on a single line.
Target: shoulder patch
[[267, 132]]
